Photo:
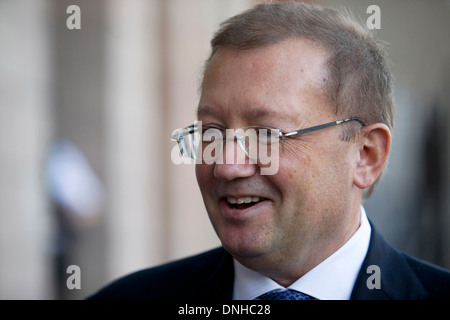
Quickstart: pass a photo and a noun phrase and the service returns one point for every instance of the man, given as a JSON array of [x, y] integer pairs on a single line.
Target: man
[[313, 85]]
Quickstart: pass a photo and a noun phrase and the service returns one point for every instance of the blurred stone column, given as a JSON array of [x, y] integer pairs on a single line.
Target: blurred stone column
[[25, 120], [133, 137]]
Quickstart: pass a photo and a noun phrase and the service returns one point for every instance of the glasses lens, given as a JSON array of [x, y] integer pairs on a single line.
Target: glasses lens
[[187, 139], [257, 140], [207, 144], [247, 139], [268, 136], [212, 144]]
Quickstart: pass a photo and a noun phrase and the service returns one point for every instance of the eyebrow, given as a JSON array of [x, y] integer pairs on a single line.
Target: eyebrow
[[254, 113], [205, 110]]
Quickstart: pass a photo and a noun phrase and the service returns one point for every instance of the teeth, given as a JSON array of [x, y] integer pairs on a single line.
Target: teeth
[[243, 200]]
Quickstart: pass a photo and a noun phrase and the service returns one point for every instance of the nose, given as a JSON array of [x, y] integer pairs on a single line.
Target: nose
[[234, 163]]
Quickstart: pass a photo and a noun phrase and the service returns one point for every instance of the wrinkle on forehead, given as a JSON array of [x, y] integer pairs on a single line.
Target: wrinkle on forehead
[[256, 113], [263, 91], [280, 53]]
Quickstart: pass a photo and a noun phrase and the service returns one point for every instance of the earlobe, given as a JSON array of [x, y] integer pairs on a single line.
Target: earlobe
[[373, 153]]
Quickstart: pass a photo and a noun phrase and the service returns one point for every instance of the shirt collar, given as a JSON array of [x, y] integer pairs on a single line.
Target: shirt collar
[[332, 279]]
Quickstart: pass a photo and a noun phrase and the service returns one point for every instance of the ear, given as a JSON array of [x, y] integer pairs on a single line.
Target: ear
[[375, 143]]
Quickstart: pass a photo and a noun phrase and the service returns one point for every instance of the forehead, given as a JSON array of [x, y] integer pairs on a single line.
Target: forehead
[[285, 80]]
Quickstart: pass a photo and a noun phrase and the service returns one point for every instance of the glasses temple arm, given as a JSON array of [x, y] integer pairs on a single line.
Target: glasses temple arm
[[323, 126]]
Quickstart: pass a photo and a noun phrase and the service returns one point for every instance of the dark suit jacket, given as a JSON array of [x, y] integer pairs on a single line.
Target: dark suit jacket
[[210, 276]]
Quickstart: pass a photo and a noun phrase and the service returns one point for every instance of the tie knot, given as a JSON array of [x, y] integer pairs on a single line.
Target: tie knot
[[285, 295]]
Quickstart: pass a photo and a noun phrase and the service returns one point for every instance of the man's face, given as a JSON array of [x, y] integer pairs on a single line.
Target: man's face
[[308, 204]]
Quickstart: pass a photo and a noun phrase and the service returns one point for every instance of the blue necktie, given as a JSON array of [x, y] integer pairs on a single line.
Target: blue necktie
[[285, 295]]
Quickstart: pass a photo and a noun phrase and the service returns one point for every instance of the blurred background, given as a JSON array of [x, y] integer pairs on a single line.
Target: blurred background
[[86, 116]]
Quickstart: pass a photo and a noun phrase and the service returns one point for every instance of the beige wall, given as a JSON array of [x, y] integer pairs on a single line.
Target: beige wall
[[25, 125]]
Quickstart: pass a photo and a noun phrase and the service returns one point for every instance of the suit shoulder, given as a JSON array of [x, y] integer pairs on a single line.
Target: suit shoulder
[[177, 278], [435, 279], [403, 277]]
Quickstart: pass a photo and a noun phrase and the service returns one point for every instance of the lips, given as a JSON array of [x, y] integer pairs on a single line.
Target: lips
[[243, 202], [242, 206]]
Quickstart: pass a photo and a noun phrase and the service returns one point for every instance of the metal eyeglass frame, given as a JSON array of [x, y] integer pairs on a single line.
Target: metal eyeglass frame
[[178, 134]]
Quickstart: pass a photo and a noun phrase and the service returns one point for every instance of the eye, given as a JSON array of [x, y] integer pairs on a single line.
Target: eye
[[212, 127], [268, 135], [212, 133]]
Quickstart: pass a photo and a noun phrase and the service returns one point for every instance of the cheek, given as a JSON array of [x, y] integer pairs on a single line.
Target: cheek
[[298, 163], [298, 151], [203, 173], [307, 178], [291, 180]]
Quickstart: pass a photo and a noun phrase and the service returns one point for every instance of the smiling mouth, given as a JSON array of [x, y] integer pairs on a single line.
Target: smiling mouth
[[243, 202]]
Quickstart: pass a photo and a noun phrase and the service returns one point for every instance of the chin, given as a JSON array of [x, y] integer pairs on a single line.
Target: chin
[[242, 244]]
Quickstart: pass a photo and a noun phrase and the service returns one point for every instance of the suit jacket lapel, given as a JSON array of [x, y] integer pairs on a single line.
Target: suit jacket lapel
[[398, 281], [217, 282]]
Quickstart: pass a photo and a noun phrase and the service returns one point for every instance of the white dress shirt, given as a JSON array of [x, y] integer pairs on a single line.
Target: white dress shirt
[[332, 279]]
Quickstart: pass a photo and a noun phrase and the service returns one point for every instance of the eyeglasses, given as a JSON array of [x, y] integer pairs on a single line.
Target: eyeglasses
[[206, 143]]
